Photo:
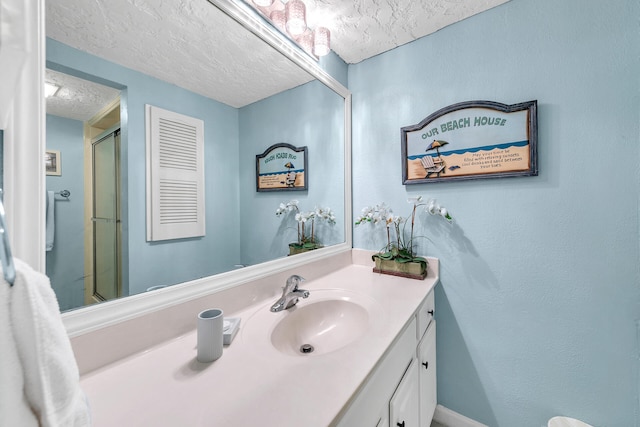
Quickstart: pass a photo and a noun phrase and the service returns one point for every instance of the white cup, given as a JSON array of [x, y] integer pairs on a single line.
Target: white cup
[[210, 338]]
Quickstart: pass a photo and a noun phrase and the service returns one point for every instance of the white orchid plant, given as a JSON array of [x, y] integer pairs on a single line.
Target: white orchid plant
[[400, 247], [306, 221]]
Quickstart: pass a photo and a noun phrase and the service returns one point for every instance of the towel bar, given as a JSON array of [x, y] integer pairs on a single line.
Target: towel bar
[[64, 193]]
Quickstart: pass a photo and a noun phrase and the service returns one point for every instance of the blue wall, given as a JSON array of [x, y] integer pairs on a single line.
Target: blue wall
[[309, 115], [539, 300], [65, 262], [150, 264], [336, 67]]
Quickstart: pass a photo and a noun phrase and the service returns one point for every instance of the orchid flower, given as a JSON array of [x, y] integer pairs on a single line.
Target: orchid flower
[[403, 245], [326, 214], [290, 206], [306, 217], [434, 208], [415, 200]]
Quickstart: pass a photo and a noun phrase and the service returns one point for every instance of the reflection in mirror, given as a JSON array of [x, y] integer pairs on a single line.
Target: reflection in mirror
[[83, 127], [249, 97], [1, 161]]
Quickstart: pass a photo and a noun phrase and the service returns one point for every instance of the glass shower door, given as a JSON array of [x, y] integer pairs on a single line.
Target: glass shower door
[[106, 221]]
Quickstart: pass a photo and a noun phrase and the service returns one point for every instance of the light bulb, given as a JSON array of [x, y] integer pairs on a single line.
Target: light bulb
[[321, 41], [263, 3], [278, 18], [296, 19], [306, 42]]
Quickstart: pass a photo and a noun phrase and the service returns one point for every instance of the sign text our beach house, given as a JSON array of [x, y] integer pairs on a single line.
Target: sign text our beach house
[[470, 140]]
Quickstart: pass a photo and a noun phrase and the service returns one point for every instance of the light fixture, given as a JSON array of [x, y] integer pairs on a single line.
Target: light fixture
[[263, 3], [306, 41], [296, 17], [50, 89], [321, 41], [289, 16], [279, 19]]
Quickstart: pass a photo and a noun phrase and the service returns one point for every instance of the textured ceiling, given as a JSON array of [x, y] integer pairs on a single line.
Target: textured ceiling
[[77, 99], [361, 29], [192, 44], [184, 42]]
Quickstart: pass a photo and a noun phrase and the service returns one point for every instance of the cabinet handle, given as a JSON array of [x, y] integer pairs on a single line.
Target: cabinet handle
[[426, 365], [400, 424], [430, 312]]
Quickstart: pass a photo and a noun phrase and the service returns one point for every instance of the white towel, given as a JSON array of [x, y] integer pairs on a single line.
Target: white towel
[[50, 220], [14, 407], [39, 380]]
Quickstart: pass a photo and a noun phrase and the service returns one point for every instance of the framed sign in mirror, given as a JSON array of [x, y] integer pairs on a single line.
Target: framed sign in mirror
[[52, 162], [471, 140], [282, 167]]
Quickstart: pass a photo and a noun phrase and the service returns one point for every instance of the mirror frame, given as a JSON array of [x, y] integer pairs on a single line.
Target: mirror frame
[[94, 317], [22, 118]]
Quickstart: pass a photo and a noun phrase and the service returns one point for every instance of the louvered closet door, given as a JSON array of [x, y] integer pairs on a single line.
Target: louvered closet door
[[105, 219], [175, 171]]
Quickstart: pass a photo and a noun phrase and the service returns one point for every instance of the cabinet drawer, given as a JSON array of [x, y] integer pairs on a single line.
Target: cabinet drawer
[[425, 314]]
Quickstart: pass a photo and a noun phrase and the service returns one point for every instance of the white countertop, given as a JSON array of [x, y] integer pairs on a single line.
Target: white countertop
[[253, 384]]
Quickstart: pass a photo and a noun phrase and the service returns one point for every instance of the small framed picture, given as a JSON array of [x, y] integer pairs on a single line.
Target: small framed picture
[[282, 167], [52, 162]]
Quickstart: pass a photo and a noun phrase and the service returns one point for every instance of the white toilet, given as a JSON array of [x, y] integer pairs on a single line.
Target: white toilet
[[566, 422]]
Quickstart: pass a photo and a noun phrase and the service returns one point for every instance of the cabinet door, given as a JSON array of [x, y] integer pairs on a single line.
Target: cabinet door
[[372, 402], [404, 408], [427, 368], [384, 422]]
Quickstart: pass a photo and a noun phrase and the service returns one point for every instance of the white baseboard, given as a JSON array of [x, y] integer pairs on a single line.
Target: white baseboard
[[450, 418]]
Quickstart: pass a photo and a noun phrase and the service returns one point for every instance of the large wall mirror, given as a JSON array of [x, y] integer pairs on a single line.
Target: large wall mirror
[[213, 60]]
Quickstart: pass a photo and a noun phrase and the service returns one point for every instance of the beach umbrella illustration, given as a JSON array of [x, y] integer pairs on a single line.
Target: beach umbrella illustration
[[289, 165], [435, 145]]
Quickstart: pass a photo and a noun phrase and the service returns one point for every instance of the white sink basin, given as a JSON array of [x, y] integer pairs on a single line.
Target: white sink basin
[[330, 319], [325, 325]]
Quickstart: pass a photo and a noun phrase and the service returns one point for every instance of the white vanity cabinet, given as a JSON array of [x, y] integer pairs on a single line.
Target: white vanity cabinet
[[358, 385], [401, 391]]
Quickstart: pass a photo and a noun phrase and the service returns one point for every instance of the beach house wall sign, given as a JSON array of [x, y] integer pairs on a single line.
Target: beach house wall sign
[[471, 140], [282, 167]]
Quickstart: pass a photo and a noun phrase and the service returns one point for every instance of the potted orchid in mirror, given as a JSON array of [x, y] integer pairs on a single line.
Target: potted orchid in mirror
[[306, 225], [398, 256]]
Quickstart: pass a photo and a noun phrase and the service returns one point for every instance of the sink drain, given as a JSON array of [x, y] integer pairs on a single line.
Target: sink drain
[[306, 348]]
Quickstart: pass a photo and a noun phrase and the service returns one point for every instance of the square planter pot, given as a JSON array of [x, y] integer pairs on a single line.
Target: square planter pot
[[413, 270], [295, 249]]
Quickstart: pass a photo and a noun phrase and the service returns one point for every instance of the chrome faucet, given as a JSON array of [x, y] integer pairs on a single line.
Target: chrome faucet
[[290, 294]]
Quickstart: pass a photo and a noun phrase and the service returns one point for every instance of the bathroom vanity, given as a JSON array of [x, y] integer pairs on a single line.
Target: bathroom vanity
[[373, 363], [403, 385]]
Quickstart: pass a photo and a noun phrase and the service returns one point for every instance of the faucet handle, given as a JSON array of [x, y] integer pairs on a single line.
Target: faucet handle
[[293, 282], [303, 293]]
